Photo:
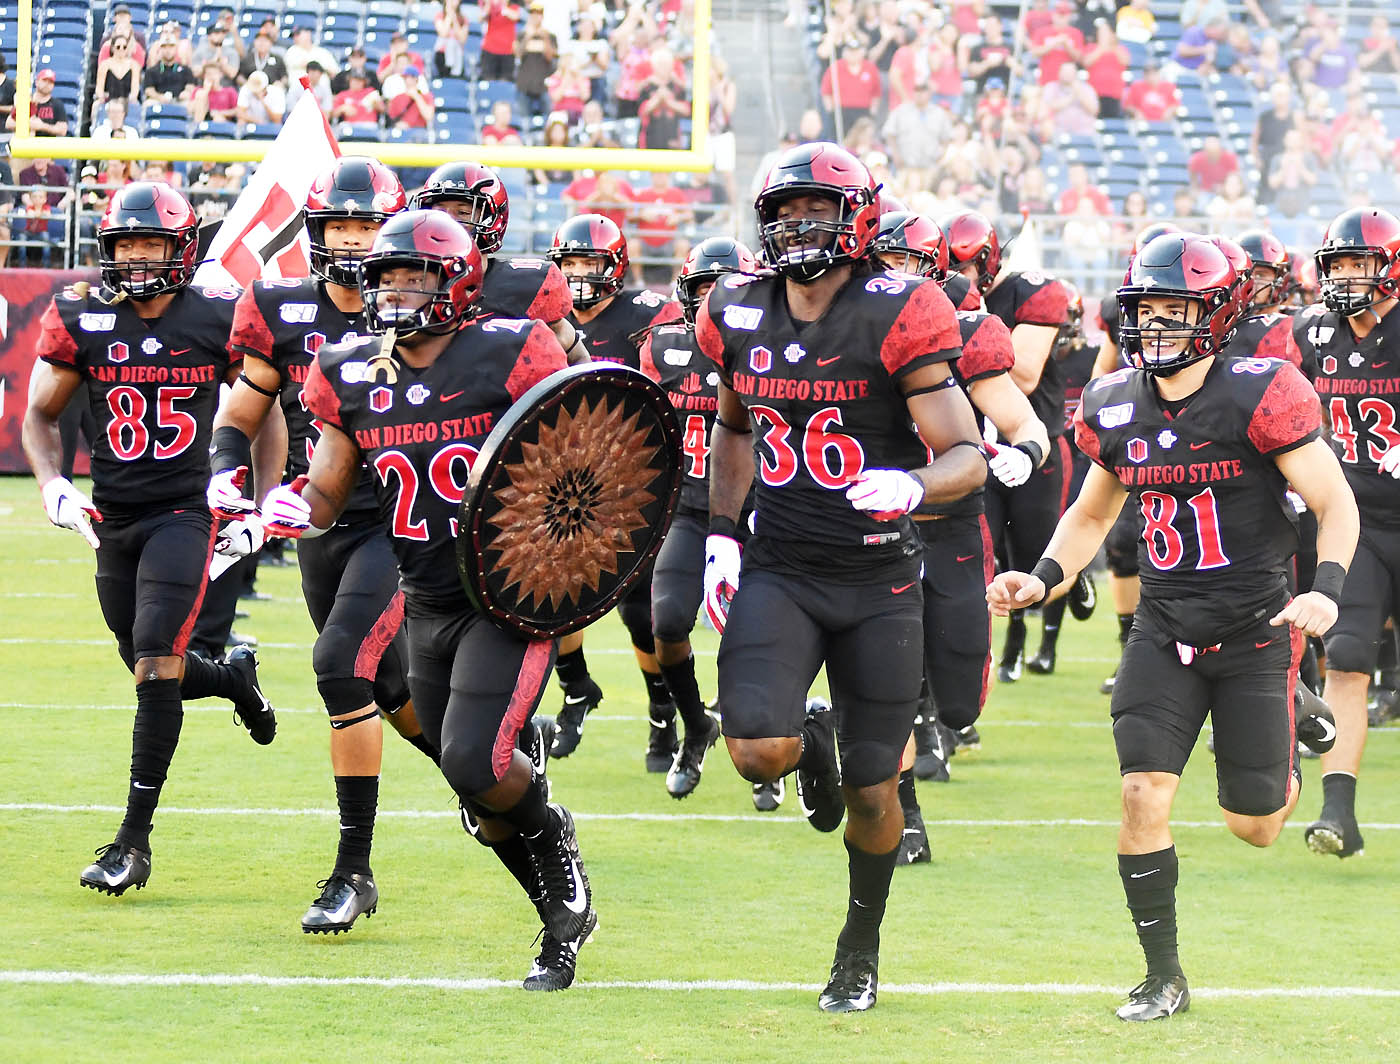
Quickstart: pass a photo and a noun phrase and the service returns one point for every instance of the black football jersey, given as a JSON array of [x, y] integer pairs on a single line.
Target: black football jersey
[[525, 288], [284, 323], [614, 335], [1269, 336], [671, 358], [420, 434], [962, 293], [1032, 298], [1358, 382], [153, 387], [825, 405], [1079, 367], [1216, 529]]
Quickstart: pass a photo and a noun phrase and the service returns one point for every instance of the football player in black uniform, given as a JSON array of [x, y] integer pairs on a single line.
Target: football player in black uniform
[[152, 351], [591, 252], [822, 368], [1034, 307], [1266, 330], [348, 577], [957, 556], [669, 356], [415, 404], [1205, 446], [1353, 337]]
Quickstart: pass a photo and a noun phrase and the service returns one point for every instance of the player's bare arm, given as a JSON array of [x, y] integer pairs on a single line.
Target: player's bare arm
[[1107, 359], [1033, 344], [270, 452], [1077, 539], [334, 467], [1009, 410], [50, 389], [946, 423], [731, 456], [571, 340], [1315, 474]]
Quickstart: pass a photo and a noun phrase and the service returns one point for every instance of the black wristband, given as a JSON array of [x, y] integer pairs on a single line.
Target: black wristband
[[1050, 573], [1328, 579], [229, 449], [745, 431], [1032, 451], [724, 526]]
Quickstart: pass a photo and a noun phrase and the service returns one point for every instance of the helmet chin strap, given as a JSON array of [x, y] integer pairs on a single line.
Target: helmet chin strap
[[383, 361]]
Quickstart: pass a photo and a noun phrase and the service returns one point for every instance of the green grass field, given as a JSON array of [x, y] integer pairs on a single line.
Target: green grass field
[[717, 923]]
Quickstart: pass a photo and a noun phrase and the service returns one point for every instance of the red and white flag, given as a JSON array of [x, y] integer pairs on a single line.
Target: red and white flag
[[263, 236]]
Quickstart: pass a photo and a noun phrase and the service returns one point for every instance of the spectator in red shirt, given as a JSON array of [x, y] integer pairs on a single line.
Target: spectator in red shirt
[[1079, 189], [412, 108], [502, 129], [852, 85], [912, 64], [498, 42], [1107, 62], [1380, 52], [215, 98], [358, 105], [1036, 18], [606, 194], [661, 209], [398, 45], [1153, 98], [1211, 165], [1058, 43]]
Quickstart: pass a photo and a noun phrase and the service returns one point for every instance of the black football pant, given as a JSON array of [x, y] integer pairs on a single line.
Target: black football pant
[[958, 566], [1022, 519]]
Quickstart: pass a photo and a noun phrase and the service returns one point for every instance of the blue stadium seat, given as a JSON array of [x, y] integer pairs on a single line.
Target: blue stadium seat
[[339, 39], [384, 23], [167, 126], [451, 93], [266, 131], [358, 131], [167, 110], [408, 136], [489, 92], [217, 130], [455, 127], [340, 20]]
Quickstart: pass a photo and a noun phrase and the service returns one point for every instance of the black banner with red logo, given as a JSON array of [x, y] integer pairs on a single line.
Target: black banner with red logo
[[24, 296]]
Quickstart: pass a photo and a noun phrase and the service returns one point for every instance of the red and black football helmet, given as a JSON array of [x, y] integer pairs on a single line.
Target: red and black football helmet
[[1194, 269], [148, 208], [1071, 332], [1304, 287], [1360, 231], [432, 242], [829, 171], [354, 186], [973, 239], [705, 263], [480, 199], [1243, 266], [1267, 253], [918, 239], [593, 236]]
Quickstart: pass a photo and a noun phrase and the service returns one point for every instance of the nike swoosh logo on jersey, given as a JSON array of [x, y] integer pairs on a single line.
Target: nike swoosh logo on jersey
[[828, 361], [1261, 646], [966, 557], [1198, 446], [448, 398], [902, 590], [176, 353], [1380, 365]]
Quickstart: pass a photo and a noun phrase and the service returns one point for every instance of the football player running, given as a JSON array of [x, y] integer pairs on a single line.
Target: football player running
[[1205, 446]]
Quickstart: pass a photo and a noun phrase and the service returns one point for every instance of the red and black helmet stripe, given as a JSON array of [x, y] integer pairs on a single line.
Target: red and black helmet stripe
[[431, 241], [478, 185], [148, 208], [973, 239]]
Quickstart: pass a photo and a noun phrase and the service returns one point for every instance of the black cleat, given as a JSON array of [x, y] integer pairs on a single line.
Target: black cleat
[[913, 845], [1009, 671], [1082, 596], [819, 791], [1313, 722], [1013, 650], [853, 981], [1156, 998], [1382, 707], [1336, 834], [768, 796], [343, 898], [967, 739], [252, 709], [684, 776], [554, 966], [1043, 664], [117, 869], [536, 741], [566, 898], [570, 719], [662, 745], [933, 746]]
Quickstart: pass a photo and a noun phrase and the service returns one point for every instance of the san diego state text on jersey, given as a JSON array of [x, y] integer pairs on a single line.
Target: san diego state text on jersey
[[610, 336], [671, 358], [824, 399], [420, 434], [1032, 298], [152, 386], [524, 288], [284, 323], [1358, 382], [1217, 528]]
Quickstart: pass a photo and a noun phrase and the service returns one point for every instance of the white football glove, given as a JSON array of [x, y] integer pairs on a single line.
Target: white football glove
[[1390, 462], [1010, 465], [885, 494], [68, 507], [722, 557], [286, 515], [240, 538], [225, 495]]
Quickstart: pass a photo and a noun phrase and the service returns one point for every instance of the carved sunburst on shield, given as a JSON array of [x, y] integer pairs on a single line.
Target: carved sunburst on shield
[[574, 500]]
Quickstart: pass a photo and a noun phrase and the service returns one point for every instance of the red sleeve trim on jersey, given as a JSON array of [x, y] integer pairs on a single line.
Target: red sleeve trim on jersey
[[1278, 342], [1086, 439], [669, 312], [56, 343], [972, 300], [320, 397], [987, 351], [927, 325], [1047, 305], [250, 334], [553, 301], [539, 357], [648, 364], [1288, 413], [708, 339]]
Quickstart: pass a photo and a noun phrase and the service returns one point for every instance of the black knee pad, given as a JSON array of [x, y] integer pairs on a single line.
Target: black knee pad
[[668, 620], [864, 764], [391, 691], [1347, 653], [636, 616], [344, 694], [467, 768]]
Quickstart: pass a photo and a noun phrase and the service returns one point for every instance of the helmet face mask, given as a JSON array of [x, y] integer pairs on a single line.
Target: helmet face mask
[[423, 275], [707, 262], [1349, 293], [818, 209], [1179, 304], [597, 239], [472, 194], [141, 210], [910, 243], [973, 248], [354, 187], [1271, 267], [1359, 238]]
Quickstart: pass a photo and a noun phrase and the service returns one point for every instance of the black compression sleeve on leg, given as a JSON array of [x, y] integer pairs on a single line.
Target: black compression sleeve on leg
[[1149, 881]]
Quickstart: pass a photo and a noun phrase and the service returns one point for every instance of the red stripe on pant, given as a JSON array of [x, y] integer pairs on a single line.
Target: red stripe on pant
[[989, 567], [377, 641], [529, 685], [182, 641], [1295, 658], [1066, 475]]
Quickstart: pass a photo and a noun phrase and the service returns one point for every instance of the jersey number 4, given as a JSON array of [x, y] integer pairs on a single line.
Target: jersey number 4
[[1165, 546], [833, 459], [127, 433], [1344, 431]]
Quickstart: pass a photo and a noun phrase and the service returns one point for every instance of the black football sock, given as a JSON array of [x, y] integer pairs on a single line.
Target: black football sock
[[1339, 794], [209, 679], [658, 694], [869, 889], [684, 690], [357, 798], [531, 816], [515, 856], [572, 670], [1125, 625], [426, 748], [908, 798], [154, 736], [1149, 881], [1388, 661], [1053, 614], [812, 757], [1015, 637]]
